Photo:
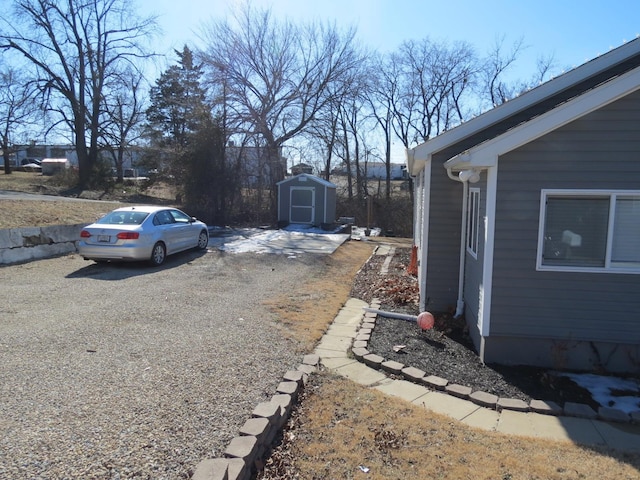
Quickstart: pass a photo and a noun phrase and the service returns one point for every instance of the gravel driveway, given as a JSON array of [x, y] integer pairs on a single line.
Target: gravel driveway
[[126, 371]]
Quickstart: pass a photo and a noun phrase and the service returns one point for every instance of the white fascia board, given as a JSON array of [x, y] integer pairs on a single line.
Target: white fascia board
[[415, 166], [423, 250], [537, 127], [486, 292], [531, 97], [462, 161], [465, 161]]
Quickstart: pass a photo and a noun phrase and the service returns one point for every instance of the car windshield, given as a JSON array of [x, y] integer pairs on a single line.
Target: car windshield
[[123, 218]]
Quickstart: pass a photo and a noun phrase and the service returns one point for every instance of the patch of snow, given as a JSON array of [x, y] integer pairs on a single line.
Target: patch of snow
[[295, 227], [360, 233], [614, 392], [290, 241]]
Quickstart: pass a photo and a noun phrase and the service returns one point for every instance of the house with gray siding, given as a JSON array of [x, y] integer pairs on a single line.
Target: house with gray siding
[[527, 221]]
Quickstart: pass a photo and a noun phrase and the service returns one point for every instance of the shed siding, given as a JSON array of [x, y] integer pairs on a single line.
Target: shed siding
[[329, 206], [325, 198], [320, 203], [598, 151]]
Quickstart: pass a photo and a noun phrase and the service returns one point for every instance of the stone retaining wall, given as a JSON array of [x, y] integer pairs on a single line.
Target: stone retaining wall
[[19, 245]]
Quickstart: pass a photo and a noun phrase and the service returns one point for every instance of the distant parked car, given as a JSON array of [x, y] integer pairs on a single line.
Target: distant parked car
[[30, 165], [142, 233], [29, 161]]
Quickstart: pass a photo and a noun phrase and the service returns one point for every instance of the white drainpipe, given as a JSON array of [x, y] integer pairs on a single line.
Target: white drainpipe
[[464, 177]]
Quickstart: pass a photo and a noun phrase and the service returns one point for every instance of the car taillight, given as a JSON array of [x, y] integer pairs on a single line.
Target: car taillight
[[84, 234], [128, 235]]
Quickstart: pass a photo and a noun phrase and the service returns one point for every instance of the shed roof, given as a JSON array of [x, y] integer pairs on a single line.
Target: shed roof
[[313, 178]]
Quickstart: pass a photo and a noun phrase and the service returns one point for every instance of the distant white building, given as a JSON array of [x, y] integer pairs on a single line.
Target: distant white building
[[249, 162], [377, 170], [301, 168], [44, 151]]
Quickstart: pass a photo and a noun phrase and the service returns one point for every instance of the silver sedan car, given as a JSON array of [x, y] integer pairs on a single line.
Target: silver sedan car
[[141, 233]]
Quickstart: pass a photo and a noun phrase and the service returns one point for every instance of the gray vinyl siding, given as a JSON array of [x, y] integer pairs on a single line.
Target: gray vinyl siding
[[440, 283], [443, 256], [598, 151]]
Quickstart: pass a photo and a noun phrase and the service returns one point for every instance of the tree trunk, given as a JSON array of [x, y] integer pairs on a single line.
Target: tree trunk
[[84, 164], [7, 163], [276, 174]]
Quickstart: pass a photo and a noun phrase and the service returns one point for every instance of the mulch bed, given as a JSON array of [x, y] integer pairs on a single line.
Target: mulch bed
[[446, 350]]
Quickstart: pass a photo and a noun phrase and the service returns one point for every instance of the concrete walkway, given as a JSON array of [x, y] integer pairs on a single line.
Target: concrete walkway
[[335, 354]]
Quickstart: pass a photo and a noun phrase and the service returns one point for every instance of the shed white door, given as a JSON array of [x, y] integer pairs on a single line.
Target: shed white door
[[302, 205]]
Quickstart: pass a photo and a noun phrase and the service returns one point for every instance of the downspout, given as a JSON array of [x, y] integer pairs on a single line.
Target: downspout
[[464, 177]]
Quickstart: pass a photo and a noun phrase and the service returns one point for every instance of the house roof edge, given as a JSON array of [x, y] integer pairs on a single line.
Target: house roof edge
[[527, 99]]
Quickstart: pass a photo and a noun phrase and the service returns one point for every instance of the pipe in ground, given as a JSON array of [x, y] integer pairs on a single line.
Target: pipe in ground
[[401, 316]]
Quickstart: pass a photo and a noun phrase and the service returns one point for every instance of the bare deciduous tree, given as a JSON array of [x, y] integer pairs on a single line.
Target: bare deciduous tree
[[341, 127], [352, 120], [382, 95], [434, 78], [73, 48], [16, 110], [279, 76], [496, 64], [324, 131], [123, 117], [494, 87]]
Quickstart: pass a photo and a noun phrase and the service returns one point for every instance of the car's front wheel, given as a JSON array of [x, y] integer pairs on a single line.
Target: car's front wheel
[[203, 240], [158, 254]]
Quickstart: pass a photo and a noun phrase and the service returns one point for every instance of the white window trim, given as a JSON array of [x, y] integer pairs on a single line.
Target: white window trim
[[473, 222], [608, 267]]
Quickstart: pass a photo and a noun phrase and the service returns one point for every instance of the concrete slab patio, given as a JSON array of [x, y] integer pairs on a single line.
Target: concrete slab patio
[[283, 242]]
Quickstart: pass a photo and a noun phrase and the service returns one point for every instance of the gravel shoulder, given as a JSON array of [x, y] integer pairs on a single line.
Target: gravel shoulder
[[124, 371]]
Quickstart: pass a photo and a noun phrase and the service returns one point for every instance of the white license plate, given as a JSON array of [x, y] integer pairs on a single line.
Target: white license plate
[[104, 238]]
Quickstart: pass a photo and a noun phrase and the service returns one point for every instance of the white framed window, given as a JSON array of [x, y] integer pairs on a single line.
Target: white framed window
[[473, 221], [589, 231]]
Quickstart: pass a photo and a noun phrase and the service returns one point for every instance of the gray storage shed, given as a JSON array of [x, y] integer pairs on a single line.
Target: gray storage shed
[[306, 199]]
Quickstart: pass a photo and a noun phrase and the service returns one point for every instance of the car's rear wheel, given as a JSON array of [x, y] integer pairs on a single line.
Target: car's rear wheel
[[158, 254], [203, 240]]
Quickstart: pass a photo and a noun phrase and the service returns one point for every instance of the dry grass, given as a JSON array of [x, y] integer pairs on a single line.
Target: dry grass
[[26, 213], [342, 426], [308, 312], [17, 213]]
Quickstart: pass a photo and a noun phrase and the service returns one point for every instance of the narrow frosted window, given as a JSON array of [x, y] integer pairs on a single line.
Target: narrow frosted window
[[473, 221]]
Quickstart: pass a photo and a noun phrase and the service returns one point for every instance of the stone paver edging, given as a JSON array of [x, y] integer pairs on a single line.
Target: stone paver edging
[[245, 453], [487, 400]]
